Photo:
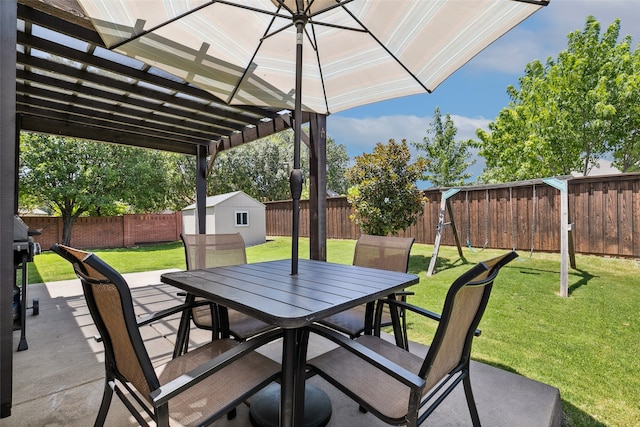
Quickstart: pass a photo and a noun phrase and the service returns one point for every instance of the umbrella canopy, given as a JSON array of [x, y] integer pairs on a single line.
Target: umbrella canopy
[[354, 52], [344, 53]]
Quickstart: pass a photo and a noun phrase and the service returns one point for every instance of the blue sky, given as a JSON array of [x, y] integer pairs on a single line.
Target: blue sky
[[475, 94]]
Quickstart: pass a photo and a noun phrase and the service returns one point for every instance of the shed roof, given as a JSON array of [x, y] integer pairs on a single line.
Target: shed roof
[[221, 198]]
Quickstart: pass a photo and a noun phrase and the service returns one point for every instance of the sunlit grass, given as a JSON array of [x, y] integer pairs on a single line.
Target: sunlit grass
[[49, 267], [585, 345]]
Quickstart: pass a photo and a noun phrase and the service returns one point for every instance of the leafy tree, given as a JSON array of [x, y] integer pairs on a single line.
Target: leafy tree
[[74, 178], [447, 158], [260, 169], [181, 176], [567, 113], [337, 161], [625, 133], [384, 195]]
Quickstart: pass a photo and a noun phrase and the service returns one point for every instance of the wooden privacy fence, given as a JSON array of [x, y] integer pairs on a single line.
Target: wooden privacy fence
[[604, 211]]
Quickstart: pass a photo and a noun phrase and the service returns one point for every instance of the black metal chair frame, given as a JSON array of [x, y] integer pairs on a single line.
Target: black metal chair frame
[[220, 327], [396, 318], [160, 394], [417, 381]]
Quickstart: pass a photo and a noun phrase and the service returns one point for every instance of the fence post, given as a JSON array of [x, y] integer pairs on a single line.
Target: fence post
[[565, 229]]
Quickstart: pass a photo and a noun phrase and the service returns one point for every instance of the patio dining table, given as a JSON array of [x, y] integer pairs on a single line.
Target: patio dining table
[[268, 291]]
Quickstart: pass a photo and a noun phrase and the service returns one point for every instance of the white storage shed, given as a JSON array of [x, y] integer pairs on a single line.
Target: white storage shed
[[230, 213]]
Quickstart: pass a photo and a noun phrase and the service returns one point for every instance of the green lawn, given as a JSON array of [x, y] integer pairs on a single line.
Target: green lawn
[[585, 344]]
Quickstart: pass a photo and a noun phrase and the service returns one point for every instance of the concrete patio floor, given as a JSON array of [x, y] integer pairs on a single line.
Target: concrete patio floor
[[58, 381]]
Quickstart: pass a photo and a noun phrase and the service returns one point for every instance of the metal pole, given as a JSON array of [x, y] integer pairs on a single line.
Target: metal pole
[[201, 190], [295, 179]]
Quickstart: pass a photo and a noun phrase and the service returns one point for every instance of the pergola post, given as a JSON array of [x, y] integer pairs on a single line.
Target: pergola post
[[201, 190], [318, 187], [8, 138]]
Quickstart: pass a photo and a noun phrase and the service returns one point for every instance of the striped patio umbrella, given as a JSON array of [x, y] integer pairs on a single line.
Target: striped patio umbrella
[[320, 56]]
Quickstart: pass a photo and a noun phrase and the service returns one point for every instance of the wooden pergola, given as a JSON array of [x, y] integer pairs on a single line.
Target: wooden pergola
[[56, 77]]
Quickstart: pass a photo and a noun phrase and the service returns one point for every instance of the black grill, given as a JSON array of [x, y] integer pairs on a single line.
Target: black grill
[[24, 249]]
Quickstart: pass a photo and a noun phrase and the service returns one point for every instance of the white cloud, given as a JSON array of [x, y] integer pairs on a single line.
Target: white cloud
[[510, 54], [467, 126], [360, 135], [545, 33]]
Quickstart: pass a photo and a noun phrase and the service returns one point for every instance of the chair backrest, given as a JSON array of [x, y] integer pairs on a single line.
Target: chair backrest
[[463, 308], [111, 306], [383, 252], [213, 250]]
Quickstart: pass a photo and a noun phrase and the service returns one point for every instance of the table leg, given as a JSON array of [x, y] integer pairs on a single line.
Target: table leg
[[288, 378], [294, 403], [181, 336], [294, 354], [302, 341], [368, 318]]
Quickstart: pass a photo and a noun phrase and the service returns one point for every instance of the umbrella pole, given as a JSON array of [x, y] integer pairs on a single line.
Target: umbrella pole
[[296, 178]]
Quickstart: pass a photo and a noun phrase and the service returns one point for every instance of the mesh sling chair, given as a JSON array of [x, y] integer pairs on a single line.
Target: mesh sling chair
[[218, 250], [383, 252], [401, 388], [193, 389]]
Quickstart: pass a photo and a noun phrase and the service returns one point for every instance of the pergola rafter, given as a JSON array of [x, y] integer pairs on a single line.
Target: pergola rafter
[[71, 82]]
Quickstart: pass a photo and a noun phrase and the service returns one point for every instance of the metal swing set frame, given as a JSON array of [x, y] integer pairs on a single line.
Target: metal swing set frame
[[567, 253]]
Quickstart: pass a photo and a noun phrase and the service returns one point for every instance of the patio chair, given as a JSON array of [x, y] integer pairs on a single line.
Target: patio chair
[[218, 250], [400, 387], [386, 253], [193, 389]]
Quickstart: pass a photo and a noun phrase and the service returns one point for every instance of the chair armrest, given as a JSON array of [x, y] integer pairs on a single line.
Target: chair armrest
[[178, 385], [150, 318], [419, 310], [145, 319], [404, 293], [387, 366]]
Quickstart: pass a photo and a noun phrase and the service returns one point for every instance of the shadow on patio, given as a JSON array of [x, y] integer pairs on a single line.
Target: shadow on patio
[[58, 381]]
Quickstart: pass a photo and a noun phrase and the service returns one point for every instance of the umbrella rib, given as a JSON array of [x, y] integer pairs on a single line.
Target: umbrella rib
[[395, 58], [267, 35], [163, 24], [314, 44], [536, 2], [190, 12], [255, 52], [339, 27], [275, 14]]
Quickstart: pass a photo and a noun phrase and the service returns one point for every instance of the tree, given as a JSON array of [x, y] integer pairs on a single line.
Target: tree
[[625, 133], [74, 178], [384, 195], [567, 113], [337, 164], [260, 169], [447, 159]]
